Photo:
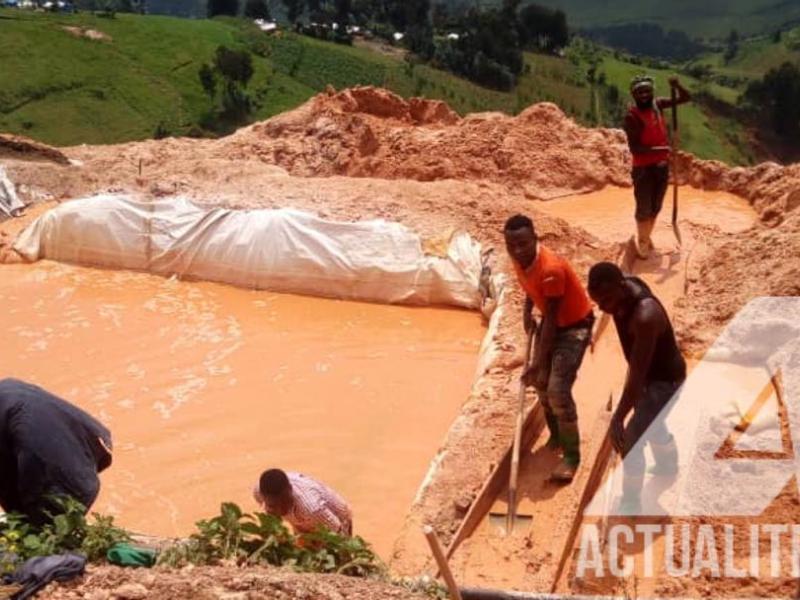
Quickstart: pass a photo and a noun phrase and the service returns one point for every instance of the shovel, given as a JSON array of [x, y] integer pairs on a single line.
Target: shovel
[[512, 482], [673, 167]]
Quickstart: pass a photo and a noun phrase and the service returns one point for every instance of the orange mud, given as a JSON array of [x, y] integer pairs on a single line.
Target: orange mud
[[528, 559], [205, 385]]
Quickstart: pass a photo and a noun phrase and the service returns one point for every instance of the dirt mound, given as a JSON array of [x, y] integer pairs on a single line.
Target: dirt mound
[[760, 262], [18, 146], [369, 132], [773, 190], [221, 583]]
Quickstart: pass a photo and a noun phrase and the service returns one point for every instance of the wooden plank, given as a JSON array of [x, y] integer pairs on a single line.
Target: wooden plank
[[493, 486], [444, 568]]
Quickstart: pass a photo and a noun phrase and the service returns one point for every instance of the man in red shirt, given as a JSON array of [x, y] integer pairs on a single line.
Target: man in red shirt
[[648, 140], [551, 284]]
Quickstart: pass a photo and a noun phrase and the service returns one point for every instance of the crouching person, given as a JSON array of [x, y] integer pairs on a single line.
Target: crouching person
[[49, 449], [303, 502]]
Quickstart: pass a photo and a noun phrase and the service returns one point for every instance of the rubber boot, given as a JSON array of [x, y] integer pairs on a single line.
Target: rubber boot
[[642, 241], [553, 442], [666, 456], [570, 439], [631, 503]]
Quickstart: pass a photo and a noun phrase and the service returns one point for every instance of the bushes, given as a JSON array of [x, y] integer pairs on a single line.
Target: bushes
[[263, 539], [68, 531]]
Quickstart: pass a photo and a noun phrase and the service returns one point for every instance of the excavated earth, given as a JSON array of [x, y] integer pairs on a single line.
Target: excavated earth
[[365, 153]]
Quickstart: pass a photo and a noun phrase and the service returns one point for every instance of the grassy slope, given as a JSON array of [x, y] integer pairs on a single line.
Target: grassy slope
[[709, 18], [70, 90], [756, 56]]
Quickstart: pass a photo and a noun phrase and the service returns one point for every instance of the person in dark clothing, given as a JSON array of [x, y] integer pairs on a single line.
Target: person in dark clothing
[[656, 370], [648, 140], [48, 448]]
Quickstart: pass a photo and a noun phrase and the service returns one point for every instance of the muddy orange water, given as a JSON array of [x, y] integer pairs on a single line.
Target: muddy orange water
[[205, 385]]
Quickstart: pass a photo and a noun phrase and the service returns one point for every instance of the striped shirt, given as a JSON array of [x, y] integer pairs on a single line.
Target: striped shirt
[[314, 504]]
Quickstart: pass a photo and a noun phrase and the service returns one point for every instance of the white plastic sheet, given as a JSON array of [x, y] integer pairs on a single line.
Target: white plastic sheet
[[282, 250], [10, 204]]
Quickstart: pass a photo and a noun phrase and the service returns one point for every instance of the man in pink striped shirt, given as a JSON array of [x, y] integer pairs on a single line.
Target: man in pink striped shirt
[[304, 502]]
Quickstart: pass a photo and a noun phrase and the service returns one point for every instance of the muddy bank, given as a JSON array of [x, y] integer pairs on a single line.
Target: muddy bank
[[222, 583]]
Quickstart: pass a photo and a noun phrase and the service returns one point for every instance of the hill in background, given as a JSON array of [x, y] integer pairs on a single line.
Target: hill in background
[[140, 79]]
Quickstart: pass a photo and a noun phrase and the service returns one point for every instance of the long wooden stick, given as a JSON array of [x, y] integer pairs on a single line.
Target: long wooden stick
[[441, 561], [514, 476], [674, 166]]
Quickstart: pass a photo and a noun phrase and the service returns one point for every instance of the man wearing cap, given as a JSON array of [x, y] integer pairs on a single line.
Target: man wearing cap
[[648, 141]]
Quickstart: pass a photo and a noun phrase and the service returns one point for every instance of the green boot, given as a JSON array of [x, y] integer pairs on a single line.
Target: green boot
[[570, 441], [553, 442]]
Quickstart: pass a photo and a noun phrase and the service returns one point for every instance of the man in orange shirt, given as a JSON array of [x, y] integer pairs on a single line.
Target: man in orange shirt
[[552, 286]]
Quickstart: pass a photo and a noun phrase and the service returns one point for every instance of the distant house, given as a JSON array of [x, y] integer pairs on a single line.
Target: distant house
[[266, 26], [59, 6]]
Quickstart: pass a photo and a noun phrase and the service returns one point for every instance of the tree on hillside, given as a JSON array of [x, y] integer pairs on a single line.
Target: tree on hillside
[[256, 9], [294, 9], [487, 50], [342, 11], [542, 28], [223, 7], [733, 46], [419, 32], [777, 95], [233, 69]]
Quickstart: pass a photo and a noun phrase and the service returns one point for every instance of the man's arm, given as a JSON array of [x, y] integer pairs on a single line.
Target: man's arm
[[547, 335], [648, 323], [527, 317], [682, 98]]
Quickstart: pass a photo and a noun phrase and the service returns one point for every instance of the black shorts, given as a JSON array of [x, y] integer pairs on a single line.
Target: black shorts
[[649, 187]]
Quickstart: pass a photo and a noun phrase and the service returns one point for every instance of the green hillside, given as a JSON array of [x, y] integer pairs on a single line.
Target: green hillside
[[707, 19], [66, 89], [755, 56]]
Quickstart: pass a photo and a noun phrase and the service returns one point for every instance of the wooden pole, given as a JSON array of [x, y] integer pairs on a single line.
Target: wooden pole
[[441, 561], [514, 476]]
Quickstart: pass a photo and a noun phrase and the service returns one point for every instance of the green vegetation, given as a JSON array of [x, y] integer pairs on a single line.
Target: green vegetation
[[68, 531], [262, 538], [144, 80], [707, 19]]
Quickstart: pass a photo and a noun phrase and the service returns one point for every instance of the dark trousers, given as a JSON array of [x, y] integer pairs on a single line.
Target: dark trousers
[[649, 187]]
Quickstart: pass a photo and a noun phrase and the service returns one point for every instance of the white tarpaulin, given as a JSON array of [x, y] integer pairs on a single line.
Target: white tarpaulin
[[282, 250], [10, 204]]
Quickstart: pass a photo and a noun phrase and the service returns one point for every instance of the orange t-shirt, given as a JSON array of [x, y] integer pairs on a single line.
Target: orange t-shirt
[[550, 276]]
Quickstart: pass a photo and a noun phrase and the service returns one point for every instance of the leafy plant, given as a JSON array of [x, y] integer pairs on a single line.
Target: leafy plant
[[263, 539], [67, 530]]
